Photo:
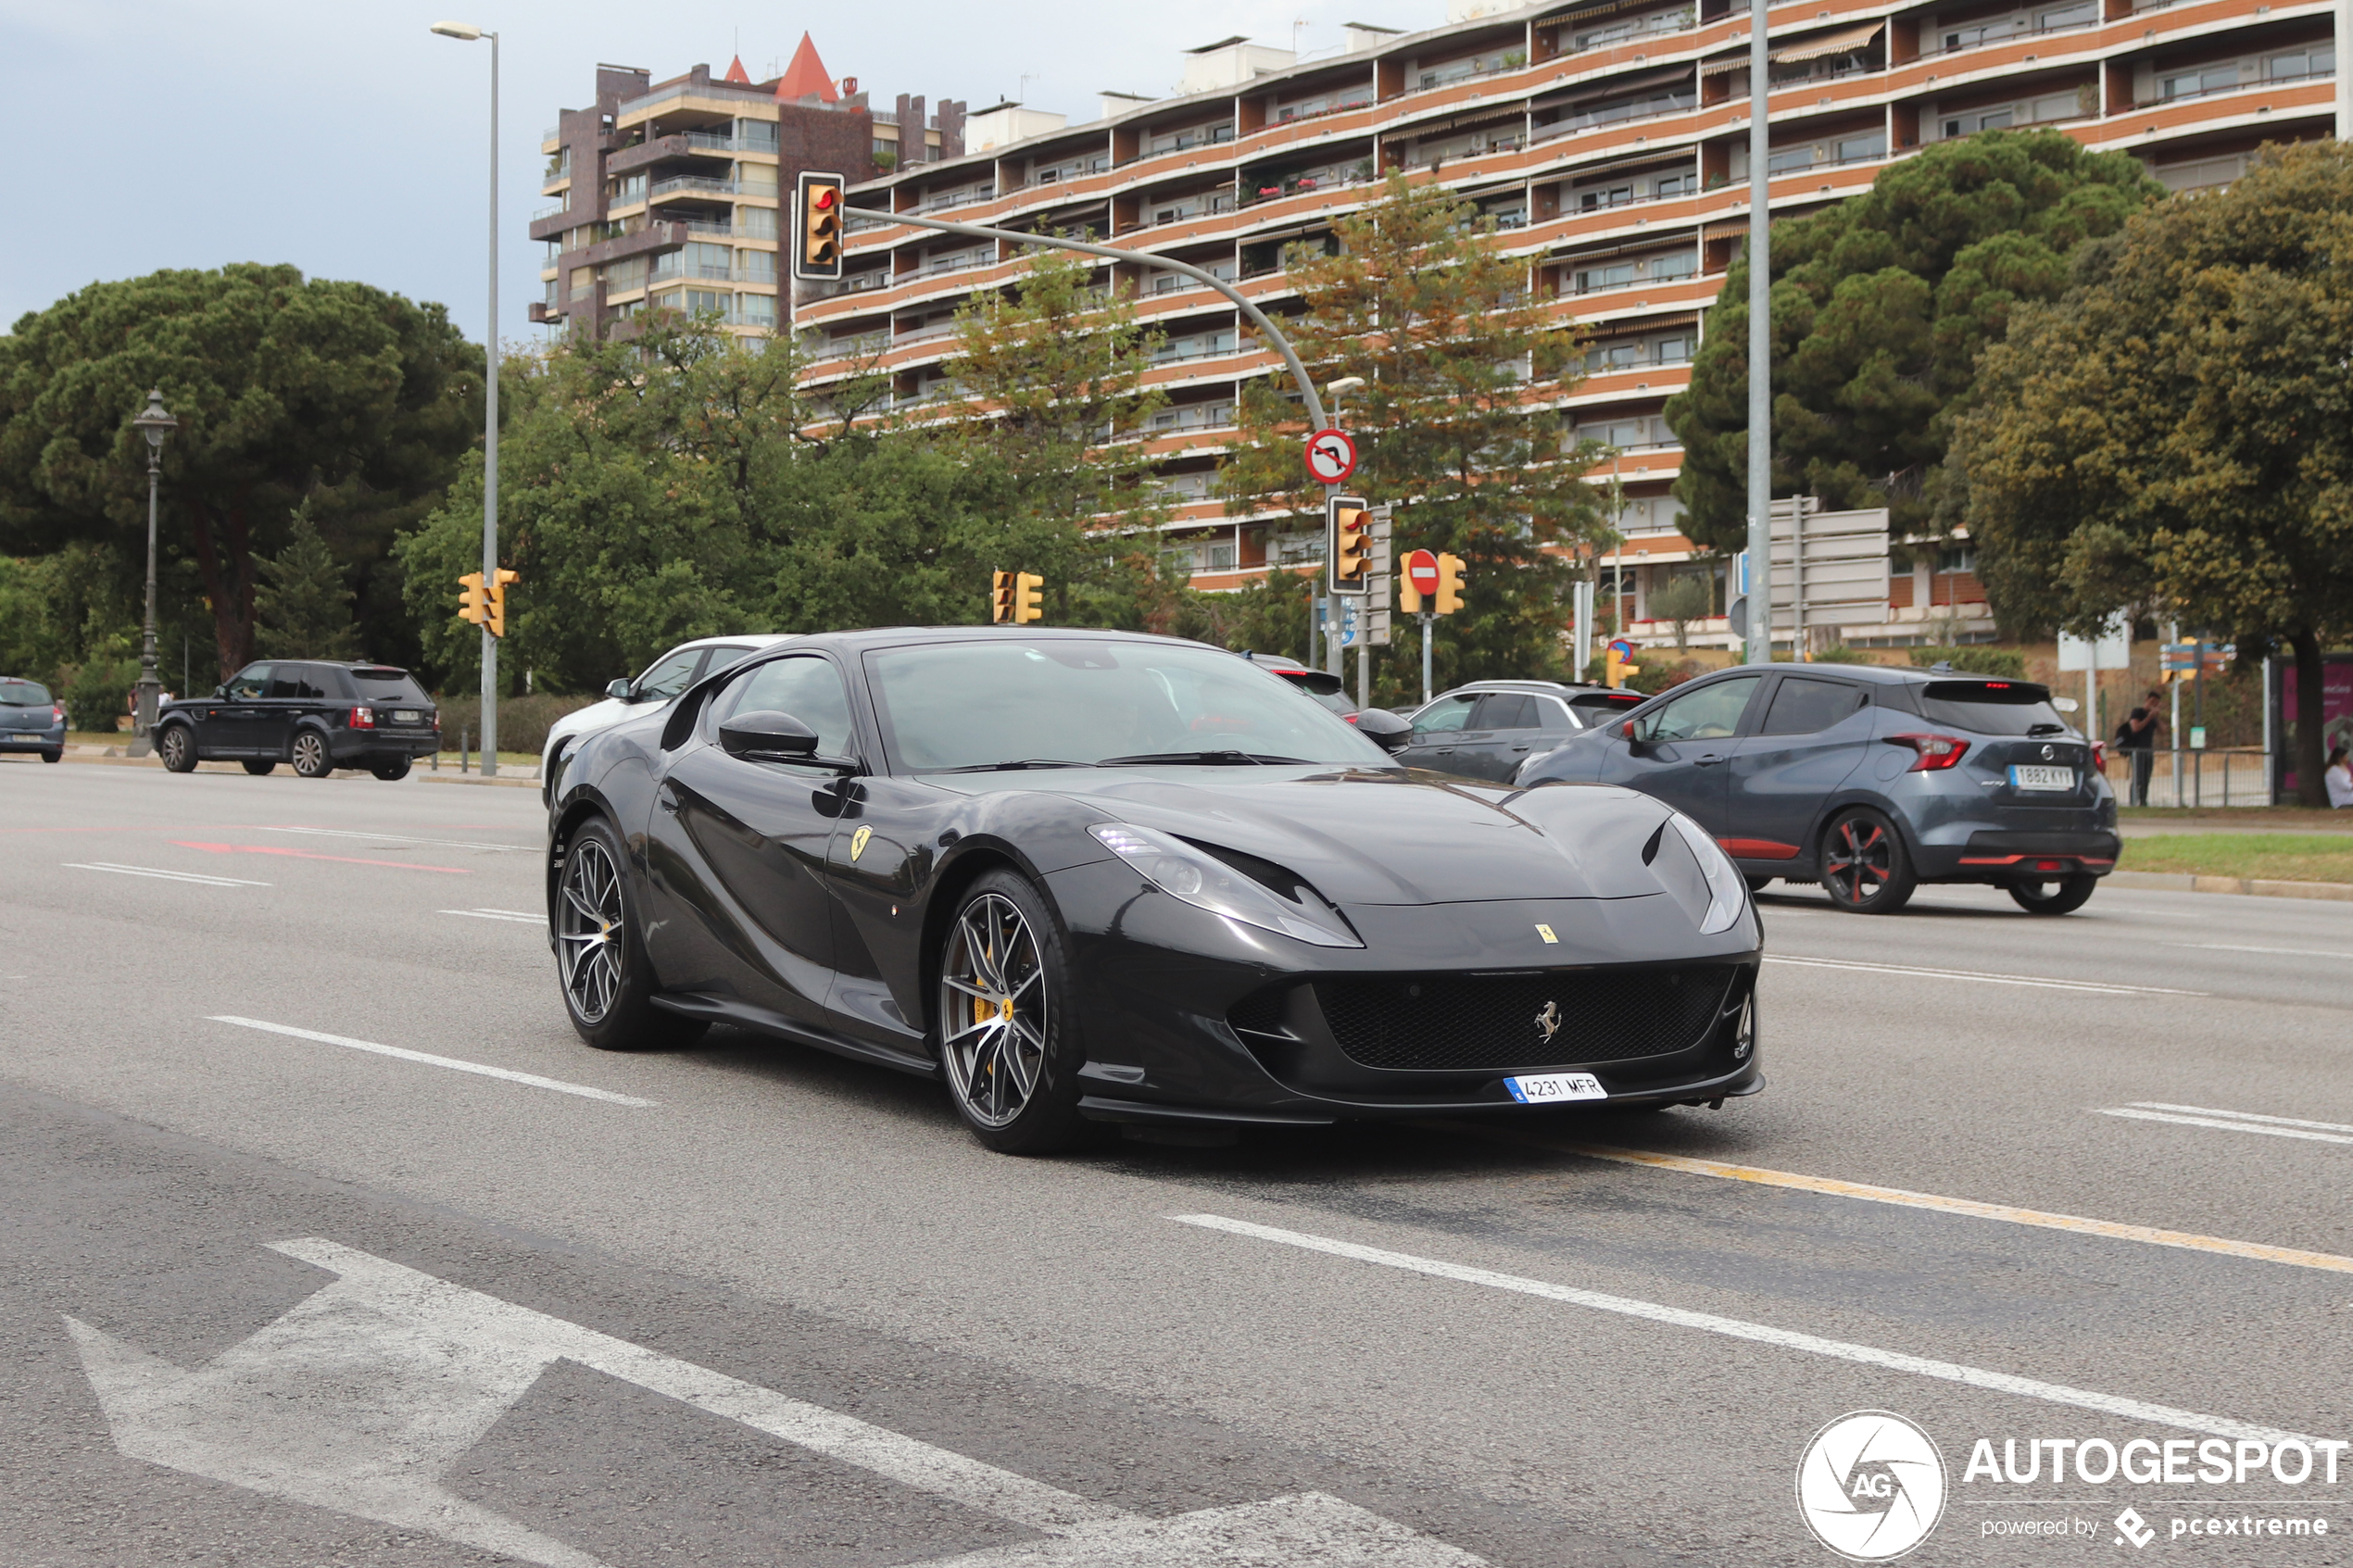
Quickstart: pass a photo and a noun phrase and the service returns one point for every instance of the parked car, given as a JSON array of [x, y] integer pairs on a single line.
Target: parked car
[[317, 715], [1326, 688], [31, 719], [1868, 780], [1487, 729], [662, 680]]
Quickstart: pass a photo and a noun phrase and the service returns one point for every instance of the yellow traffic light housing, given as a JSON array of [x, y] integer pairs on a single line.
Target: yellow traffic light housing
[[1000, 598], [474, 604], [1616, 667], [1450, 583], [497, 607], [1409, 598], [1349, 535], [817, 215], [1027, 606]]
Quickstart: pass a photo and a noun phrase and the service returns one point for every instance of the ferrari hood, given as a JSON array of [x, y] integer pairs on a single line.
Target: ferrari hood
[[1399, 837]]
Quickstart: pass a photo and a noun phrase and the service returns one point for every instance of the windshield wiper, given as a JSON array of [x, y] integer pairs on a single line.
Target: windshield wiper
[[1206, 758], [1014, 767]]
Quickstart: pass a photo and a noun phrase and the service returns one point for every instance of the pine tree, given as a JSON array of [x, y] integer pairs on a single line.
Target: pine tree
[[304, 602]]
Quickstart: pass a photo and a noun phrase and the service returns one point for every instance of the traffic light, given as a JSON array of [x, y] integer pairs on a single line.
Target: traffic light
[[474, 604], [1000, 598], [1617, 665], [1409, 598], [1450, 583], [817, 214], [498, 599], [1349, 534], [1026, 606]]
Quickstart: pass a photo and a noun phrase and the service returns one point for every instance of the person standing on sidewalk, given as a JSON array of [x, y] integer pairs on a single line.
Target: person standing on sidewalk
[[2136, 737]]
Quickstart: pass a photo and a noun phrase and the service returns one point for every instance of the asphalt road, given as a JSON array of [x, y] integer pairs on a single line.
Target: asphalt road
[[272, 1298]]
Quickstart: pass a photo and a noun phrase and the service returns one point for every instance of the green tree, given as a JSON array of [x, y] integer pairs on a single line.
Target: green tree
[[303, 604], [2178, 430], [1881, 305], [1680, 603], [285, 387], [1453, 425]]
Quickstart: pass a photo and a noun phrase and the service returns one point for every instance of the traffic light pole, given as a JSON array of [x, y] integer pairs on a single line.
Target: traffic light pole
[[490, 451]]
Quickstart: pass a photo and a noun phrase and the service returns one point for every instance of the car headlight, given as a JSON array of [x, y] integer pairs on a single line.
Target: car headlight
[[1207, 882], [1728, 893]]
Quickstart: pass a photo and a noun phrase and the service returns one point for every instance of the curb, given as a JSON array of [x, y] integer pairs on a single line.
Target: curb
[[2259, 887], [504, 781]]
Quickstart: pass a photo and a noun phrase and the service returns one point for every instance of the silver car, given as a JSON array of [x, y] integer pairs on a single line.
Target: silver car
[[662, 680]]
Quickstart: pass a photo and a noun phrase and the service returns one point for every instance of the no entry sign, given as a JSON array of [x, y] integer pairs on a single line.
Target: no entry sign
[[1421, 572], [1332, 456]]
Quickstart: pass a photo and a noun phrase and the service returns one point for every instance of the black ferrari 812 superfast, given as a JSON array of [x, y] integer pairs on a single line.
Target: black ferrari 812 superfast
[[1090, 877]]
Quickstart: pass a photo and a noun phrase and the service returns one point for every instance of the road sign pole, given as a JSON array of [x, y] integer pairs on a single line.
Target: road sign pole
[[1430, 620], [1335, 655]]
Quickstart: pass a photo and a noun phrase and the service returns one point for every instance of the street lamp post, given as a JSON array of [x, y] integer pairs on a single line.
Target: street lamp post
[[154, 424], [466, 32]]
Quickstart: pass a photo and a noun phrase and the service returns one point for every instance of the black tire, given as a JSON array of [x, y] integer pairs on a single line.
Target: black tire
[[392, 772], [2060, 896], [1007, 1043], [57, 756], [311, 758], [1756, 883], [601, 968], [1865, 868], [258, 766], [178, 748]]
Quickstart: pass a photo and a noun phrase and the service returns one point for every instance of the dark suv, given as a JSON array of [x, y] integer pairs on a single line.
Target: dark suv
[[1487, 729], [1868, 780], [317, 715]]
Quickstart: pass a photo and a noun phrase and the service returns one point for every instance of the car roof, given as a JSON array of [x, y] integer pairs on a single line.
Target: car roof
[[1882, 674]]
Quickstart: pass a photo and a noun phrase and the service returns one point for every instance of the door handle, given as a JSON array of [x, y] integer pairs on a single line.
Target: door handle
[[1709, 760], [1523, 745]]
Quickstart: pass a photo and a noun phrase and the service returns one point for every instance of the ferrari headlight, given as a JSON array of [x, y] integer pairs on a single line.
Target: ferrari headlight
[[1207, 882], [1727, 895]]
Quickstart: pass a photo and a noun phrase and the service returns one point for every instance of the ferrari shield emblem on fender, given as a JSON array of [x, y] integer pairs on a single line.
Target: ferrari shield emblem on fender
[[1549, 1021], [858, 842]]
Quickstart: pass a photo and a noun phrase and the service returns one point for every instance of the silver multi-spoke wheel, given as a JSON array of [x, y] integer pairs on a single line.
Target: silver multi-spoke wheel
[[993, 1011], [589, 930], [310, 755]]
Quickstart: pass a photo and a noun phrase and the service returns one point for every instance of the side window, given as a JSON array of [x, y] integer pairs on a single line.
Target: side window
[[721, 659], [1446, 715], [286, 682], [1552, 717], [1506, 710], [250, 684], [671, 674], [807, 687], [1711, 712], [1802, 706]]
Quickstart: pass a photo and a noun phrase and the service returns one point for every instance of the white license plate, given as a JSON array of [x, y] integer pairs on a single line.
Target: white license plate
[[1541, 1087], [406, 716], [2041, 778]]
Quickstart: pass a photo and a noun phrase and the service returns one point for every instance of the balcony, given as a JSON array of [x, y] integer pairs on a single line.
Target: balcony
[[1616, 114], [1446, 76], [2006, 30], [700, 185], [1627, 33]]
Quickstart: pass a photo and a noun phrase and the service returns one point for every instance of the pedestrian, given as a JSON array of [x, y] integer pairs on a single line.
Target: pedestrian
[[2338, 776], [2136, 737]]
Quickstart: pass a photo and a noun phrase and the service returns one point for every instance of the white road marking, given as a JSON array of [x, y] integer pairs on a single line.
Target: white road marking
[[500, 914], [2043, 982], [2234, 1121], [1893, 1361], [167, 877], [360, 1397], [532, 1079], [2236, 947], [396, 839]]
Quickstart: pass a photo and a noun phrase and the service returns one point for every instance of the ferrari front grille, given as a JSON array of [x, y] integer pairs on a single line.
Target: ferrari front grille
[[1557, 1018]]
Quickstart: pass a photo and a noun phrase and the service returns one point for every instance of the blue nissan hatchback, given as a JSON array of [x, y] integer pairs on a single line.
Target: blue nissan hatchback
[[1868, 780]]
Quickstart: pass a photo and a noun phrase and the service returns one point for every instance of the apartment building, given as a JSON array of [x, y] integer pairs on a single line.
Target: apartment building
[[666, 194], [1609, 139]]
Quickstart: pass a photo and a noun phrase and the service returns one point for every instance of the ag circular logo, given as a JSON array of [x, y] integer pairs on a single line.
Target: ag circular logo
[[1871, 1485]]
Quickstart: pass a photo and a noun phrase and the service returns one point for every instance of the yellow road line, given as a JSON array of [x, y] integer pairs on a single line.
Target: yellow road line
[[2077, 1223]]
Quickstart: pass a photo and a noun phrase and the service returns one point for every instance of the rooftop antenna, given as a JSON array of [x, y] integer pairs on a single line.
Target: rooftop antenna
[[1020, 88], [1294, 33]]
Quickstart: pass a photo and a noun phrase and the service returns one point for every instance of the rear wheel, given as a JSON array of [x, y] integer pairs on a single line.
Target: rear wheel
[[1005, 1042], [600, 957], [178, 748], [310, 755], [1864, 867], [57, 756], [1756, 883], [2060, 896], [258, 766], [389, 772]]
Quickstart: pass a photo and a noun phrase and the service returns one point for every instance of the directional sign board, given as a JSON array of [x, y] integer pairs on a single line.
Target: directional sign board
[[1332, 456]]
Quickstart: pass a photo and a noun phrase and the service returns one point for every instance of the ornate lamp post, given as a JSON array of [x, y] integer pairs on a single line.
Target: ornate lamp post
[[154, 424]]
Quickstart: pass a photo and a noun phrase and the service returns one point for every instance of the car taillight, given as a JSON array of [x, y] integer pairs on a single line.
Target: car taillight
[[364, 718], [56, 713], [1936, 752], [2099, 757]]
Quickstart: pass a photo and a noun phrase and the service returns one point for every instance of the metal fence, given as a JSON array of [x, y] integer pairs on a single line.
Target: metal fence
[[2221, 776]]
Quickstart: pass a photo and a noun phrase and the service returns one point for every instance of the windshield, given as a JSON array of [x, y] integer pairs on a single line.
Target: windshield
[[23, 693], [1991, 707], [981, 704]]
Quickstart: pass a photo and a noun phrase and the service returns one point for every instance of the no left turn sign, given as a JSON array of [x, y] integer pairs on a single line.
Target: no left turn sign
[[1332, 456]]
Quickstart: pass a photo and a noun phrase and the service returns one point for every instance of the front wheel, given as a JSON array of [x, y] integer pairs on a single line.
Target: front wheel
[[600, 957], [178, 749], [2061, 895], [1865, 869], [1006, 1042], [258, 766], [392, 772], [310, 755]]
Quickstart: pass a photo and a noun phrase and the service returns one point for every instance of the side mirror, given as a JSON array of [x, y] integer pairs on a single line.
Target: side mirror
[[1627, 729], [1384, 729], [220, 692], [622, 691], [770, 736]]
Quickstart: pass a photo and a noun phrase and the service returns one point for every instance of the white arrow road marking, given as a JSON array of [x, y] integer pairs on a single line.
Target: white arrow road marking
[[532, 1079], [361, 1395], [515, 915], [1896, 1360], [162, 875], [2233, 1121], [2044, 981], [396, 839]]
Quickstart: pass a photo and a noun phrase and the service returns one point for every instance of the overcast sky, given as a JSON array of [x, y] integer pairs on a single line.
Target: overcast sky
[[341, 136]]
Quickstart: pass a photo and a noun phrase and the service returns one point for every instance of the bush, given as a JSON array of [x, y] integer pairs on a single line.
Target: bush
[[1974, 660], [524, 721], [1839, 653], [97, 691]]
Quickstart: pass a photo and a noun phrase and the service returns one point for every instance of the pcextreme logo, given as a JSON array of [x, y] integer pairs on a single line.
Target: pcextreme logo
[[1871, 1485]]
